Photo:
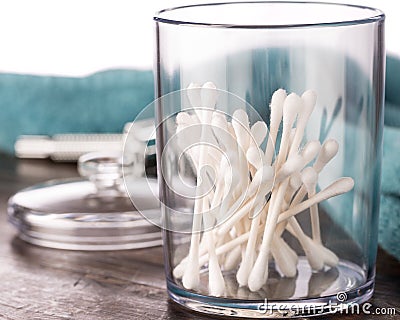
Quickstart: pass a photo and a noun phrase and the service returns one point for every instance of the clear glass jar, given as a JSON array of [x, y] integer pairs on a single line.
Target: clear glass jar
[[306, 242]]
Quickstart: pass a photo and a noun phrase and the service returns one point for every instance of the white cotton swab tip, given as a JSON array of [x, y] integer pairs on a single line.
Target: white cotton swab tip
[[209, 95], [240, 120], [310, 98], [191, 277], [295, 181], [263, 178], [255, 157], [309, 177], [292, 165], [183, 118], [338, 187], [285, 257], [232, 258], [313, 253], [179, 270], [240, 116], [230, 163], [330, 259], [276, 106], [305, 109], [278, 97], [222, 132], [218, 120], [258, 131], [310, 151], [193, 93], [329, 149], [292, 105], [240, 123], [259, 274]]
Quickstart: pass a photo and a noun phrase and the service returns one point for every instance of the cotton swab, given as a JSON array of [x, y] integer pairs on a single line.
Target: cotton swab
[[285, 257], [216, 281], [193, 94], [247, 263], [186, 119], [276, 111], [232, 258], [292, 165], [318, 256], [248, 224], [259, 187], [297, 162], [309, 177], [279, 247], [291, 108], [207, 95], [255, 157], [294, 185], [259, 273], [310, 248], [309, 99], [328, 151], [258, 131], [338, 187], [240, 124]]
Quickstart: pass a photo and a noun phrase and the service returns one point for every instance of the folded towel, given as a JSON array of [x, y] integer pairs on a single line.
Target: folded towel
[[393, 79], [391, 163], [389, 224], [389, 218], [392, 114], [101, 102], [389, 221]]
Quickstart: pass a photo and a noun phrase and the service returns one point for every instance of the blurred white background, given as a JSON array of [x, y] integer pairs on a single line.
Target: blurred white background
[[78, 37]]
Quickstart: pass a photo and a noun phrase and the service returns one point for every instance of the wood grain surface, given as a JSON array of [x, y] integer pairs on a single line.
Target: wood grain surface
[[44, 284]]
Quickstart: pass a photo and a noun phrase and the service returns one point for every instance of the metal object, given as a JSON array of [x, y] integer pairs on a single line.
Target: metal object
[[65, 147], [70, 146]]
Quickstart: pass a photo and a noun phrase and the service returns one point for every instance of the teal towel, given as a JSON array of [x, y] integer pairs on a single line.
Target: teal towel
[[389, 224], [389, 220], [392, 114], [391, 162], [393, 80], [102, 102], [392, 103]]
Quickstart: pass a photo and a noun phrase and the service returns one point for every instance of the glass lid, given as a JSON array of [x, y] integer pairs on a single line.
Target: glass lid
[[91, 213]]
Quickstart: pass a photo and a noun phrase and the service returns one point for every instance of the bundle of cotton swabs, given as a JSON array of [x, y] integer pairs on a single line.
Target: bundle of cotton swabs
[[259, 195]]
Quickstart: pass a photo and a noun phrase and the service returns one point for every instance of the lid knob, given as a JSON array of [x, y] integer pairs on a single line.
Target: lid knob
[[105, 169]]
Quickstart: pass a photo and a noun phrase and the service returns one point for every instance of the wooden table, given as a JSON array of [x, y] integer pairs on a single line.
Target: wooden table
[[39, 283]]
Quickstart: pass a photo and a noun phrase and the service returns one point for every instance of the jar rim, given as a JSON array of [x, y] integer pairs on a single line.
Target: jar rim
[[168, 15]]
